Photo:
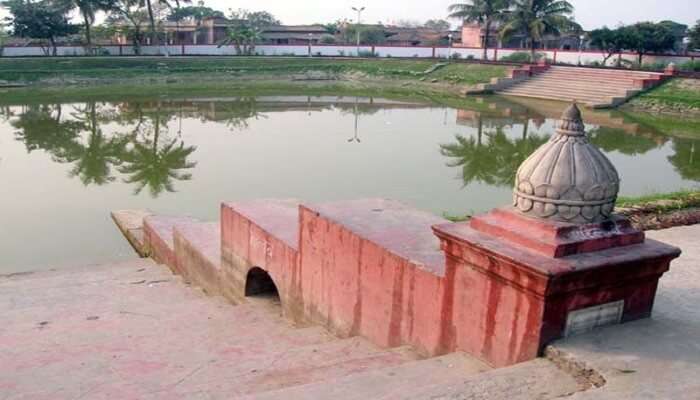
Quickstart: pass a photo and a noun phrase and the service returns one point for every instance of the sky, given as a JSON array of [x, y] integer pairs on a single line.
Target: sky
[[589, 13]]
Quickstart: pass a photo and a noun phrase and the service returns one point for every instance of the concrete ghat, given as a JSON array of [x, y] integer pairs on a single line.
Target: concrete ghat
[[374, 268], [655, 358], [134, 331]]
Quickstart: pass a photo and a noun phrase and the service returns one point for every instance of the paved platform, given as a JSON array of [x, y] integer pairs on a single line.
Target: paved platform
[[135, 331], [656, 358]]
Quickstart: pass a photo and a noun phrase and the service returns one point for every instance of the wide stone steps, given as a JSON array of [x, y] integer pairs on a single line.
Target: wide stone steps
[[555, 95], [565, 85], [594, 87], [603, 72], [385, 382]]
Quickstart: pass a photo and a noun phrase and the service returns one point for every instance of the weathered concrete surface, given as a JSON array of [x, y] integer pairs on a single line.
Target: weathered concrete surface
[[130, 223], [135, 331], [657, 358]]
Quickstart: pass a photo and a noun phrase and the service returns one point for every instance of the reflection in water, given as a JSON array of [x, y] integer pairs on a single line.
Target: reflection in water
[[86, 159], [494, 162], [144, 153]]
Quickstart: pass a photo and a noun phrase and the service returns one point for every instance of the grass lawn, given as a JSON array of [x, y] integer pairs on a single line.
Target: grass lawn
[[34, 69], [678, 91], [665, 201]]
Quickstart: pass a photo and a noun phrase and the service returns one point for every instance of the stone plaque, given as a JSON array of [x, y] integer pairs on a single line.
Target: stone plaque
[[586, 319]]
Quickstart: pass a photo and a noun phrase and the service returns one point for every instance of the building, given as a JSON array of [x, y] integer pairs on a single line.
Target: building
[[473, 36], [213, 31], [399, 36]]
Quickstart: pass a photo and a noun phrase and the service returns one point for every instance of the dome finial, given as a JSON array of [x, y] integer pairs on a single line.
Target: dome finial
[[571, 123], [567, 179]]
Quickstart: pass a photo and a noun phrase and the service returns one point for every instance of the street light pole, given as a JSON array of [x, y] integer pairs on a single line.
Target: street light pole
[[449, 47], [357, 28]]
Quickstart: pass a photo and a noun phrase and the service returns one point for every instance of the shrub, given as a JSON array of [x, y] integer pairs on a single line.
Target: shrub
[[690, 66], [655, 66], [521, 57], [367, 53], [341, 53], [471, 57], [455, 56], [327, 39]]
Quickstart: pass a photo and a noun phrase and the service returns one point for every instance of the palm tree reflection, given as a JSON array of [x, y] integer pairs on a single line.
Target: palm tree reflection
[[155, 164]]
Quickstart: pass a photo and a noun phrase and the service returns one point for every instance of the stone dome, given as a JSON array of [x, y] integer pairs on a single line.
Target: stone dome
[[567, 179]]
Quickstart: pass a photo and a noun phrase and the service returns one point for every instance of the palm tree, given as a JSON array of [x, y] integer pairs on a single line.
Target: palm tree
[[88, 9], [483, 12], [536, 18]]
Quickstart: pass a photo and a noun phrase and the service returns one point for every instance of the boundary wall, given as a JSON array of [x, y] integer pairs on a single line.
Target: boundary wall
[[557, 56]]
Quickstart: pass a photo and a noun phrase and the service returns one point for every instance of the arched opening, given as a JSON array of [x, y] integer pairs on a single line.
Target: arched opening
[[258, 283]]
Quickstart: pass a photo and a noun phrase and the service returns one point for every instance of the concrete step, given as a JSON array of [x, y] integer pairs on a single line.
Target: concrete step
[[590, 75], [158, 237], [303, 365], [197, 247], [558, 89], [597, 90], [599, 71], [385, 382], [277, 217], [582, 83], [547, 94], [590, 102]]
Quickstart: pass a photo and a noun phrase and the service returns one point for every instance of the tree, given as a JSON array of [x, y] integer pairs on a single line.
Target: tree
[[694, 36], [437, 24], [132, 14], [648, 37], [609, 41], [88, 9], [151, 15], [536, 18], [368, 34], [483, 12], [197, 13], [246, 29], [43, 19]]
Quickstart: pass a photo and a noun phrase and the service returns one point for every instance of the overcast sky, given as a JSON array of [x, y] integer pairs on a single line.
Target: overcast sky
[[590, 13]]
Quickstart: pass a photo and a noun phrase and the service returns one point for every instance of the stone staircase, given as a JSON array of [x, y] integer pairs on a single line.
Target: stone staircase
[[266, 356], [596, 88]]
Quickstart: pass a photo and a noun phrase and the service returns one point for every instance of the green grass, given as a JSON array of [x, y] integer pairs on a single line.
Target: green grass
[[35, 69], [672, 93], [675, 125], [685, 198]]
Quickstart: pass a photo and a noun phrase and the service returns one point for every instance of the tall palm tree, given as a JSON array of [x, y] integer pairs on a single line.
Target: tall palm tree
[[88, 9], [483, 12], [536, 18]]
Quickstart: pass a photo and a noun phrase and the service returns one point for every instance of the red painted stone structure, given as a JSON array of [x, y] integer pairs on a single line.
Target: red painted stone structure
[[499, 287]]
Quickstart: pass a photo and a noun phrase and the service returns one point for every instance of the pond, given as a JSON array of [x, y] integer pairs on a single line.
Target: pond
[[63, 167]]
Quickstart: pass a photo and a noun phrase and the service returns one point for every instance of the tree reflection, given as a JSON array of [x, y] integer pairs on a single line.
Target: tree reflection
[[151, 163], [94, 161], [496, 161], [611, 139], [686, 159]]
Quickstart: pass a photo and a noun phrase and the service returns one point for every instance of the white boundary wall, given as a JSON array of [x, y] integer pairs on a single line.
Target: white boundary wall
[[560, 56]]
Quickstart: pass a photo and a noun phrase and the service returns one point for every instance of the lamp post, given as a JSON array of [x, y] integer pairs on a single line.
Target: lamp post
[[449, 46], [357, 28], [310, 39], [580, 48]]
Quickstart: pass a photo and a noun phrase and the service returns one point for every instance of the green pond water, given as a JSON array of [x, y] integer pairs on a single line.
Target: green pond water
[[63, 167]]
